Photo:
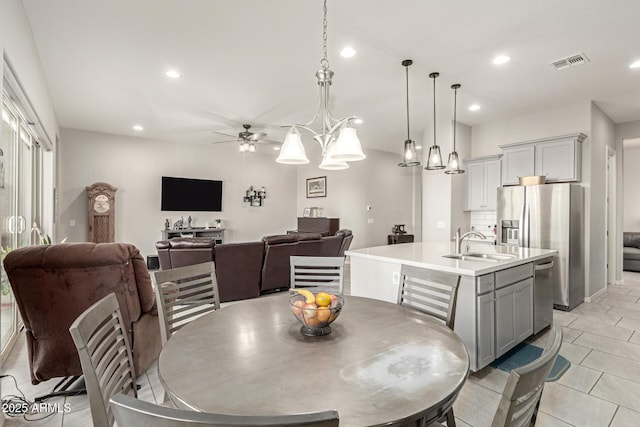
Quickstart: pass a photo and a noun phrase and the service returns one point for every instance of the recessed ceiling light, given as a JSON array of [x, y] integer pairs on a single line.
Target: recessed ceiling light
[[474, 107], [501, 59], [276, 148], [418, 147], [358, 121], [173, 74], [635, 64], [348, 52], [138, 128]]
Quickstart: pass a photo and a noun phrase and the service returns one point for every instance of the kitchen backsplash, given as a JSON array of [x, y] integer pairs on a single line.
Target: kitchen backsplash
[[484, 222]]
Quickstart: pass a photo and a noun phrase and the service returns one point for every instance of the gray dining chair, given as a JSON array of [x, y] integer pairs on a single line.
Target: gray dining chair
[[429, 291], [130, 411], [183, 294], [521, 395], [319, 273], [105, 355]]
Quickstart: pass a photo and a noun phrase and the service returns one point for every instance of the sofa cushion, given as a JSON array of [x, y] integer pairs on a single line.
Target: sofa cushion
[[631, 253], [631, 239], [280, 238], [192, 242]]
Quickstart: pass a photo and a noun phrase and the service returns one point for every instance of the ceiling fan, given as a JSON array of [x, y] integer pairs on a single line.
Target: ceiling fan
[[247, 139]]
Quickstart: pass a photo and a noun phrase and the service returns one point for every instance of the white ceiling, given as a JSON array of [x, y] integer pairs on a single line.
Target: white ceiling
[[254, 61]]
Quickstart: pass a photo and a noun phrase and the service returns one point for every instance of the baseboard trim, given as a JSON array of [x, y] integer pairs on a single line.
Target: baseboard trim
[[596, 295]]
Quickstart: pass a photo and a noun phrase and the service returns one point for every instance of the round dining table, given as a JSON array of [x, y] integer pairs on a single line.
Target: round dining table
[[382, 364]]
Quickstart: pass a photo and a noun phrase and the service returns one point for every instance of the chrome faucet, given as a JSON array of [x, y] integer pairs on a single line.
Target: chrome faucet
[[458, 239]]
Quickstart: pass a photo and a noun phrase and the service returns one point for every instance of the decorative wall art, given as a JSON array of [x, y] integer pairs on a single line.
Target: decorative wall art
[[317, 187]]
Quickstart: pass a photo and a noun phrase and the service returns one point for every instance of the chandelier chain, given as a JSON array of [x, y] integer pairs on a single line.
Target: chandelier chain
[[324, 62]]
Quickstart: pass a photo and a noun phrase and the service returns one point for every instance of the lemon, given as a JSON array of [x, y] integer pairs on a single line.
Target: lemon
[[323, 299]]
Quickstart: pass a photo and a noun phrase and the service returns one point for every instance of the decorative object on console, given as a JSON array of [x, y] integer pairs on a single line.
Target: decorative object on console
[[453, 164], [398, 229], [337, 138], [434, 161], [255, 197], [102, 201], [410, 156], [317, 187]]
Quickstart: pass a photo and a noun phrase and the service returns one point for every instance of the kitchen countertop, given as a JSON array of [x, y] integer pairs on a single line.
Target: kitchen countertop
[[430, 255]]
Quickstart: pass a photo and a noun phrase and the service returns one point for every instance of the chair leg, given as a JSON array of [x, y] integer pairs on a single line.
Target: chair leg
[[63, 388], [451, 419]]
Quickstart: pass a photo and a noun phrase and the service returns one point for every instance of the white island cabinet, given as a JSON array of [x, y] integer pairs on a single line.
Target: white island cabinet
[[494, 309]]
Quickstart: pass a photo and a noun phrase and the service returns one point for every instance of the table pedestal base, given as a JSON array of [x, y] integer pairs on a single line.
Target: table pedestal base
[[315, 332]]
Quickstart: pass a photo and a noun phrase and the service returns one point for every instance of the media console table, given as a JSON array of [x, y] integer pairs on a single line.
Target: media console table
[[216, 233]]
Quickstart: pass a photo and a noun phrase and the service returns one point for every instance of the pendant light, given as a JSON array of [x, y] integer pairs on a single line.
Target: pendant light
[[410, 156], [434, 161], [453, 165]]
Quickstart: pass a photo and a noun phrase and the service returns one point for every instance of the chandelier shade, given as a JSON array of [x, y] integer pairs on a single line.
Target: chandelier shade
[[333, 133], [292, 151]]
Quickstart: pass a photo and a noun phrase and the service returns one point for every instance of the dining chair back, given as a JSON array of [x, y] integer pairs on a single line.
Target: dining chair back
[[183, 294], [130, 411], [521, 396], [319, 273], [432, 292], [101, 338]]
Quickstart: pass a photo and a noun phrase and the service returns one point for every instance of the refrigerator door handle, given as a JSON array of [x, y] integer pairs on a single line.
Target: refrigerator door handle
[[521, 228], [545, 266], [526, 227]]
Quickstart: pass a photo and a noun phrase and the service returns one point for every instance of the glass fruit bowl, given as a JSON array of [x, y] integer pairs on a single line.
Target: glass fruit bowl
[[315, 310]]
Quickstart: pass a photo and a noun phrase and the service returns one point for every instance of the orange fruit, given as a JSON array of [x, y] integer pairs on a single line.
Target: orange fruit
[[323, 299], [323, 314]]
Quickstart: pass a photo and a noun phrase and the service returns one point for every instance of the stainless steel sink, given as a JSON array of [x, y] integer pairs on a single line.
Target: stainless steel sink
[[474, 256]]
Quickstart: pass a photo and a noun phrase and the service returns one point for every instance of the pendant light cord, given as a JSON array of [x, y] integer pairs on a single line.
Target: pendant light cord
[[434, 107], [455, 99], [407, 72]]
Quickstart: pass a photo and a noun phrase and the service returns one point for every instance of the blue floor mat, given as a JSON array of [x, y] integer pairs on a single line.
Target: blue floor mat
[[525, 353]]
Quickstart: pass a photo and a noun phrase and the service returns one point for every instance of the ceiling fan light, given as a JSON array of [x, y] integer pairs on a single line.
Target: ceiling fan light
[[252, 148], [347, 147], [292, 151]]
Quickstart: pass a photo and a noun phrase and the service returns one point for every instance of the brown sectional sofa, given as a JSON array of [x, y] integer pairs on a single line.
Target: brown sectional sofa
[[245, 270]]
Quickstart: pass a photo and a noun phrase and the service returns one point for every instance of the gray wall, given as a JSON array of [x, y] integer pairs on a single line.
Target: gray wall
[[135, 166], [391, 192]]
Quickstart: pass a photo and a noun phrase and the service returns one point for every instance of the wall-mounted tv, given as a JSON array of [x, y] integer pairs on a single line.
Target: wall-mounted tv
[[188, 194]]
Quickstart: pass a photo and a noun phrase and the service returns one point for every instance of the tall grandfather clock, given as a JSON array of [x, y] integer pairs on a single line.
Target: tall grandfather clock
[[102, 205]]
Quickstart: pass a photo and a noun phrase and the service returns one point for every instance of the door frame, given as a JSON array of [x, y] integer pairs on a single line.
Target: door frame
[[611, 254]]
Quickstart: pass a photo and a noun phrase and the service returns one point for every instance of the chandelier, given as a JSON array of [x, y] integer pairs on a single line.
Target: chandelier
[[336, 137]]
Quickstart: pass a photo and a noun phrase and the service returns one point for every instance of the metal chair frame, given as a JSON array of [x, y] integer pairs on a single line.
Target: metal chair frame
[[319, 273]]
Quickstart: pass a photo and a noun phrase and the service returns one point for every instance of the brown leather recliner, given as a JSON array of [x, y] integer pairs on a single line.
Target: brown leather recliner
[[239, 270], [309, 244], [54, 284], [275, 270], [185, 251], [346, 240]]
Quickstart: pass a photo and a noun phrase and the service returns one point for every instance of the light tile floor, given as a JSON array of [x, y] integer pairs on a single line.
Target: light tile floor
[[602, 387]]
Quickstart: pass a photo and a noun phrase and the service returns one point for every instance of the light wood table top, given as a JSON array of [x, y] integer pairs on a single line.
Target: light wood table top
[[382, 364]]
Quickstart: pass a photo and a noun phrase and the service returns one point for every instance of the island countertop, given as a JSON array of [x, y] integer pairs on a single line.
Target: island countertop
[[430, 255]]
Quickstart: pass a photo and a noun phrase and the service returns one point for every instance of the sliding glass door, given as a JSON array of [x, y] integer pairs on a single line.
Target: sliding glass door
[[20, 193]]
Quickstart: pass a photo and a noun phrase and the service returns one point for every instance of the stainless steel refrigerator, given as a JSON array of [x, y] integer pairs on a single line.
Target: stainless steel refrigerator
[[548, 217]]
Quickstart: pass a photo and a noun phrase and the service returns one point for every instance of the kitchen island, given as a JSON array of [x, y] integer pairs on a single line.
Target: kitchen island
[[495, 305]]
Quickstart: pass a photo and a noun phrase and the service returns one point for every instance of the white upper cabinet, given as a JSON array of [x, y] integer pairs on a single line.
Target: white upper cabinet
[[558, 158], [481, 183]]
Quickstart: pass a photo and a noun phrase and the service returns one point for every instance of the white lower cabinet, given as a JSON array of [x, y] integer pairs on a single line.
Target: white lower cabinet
[[485, 329], [514, 315]]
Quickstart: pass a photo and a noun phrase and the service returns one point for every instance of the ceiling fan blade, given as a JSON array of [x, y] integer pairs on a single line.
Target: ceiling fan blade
[[226, 140], [256, 136], [225, 134], [269, 142]]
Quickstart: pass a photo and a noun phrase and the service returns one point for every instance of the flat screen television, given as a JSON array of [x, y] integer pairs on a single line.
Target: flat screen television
[[188, 194]]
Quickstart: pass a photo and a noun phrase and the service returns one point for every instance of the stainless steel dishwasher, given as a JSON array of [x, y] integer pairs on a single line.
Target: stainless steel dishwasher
[[542, 294]]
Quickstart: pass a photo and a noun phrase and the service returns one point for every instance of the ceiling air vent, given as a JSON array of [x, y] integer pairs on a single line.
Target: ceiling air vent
[[570, 61]]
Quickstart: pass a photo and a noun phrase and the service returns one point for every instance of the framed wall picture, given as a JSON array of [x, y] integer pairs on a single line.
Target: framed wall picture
[[317, 187], [306, 213]]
